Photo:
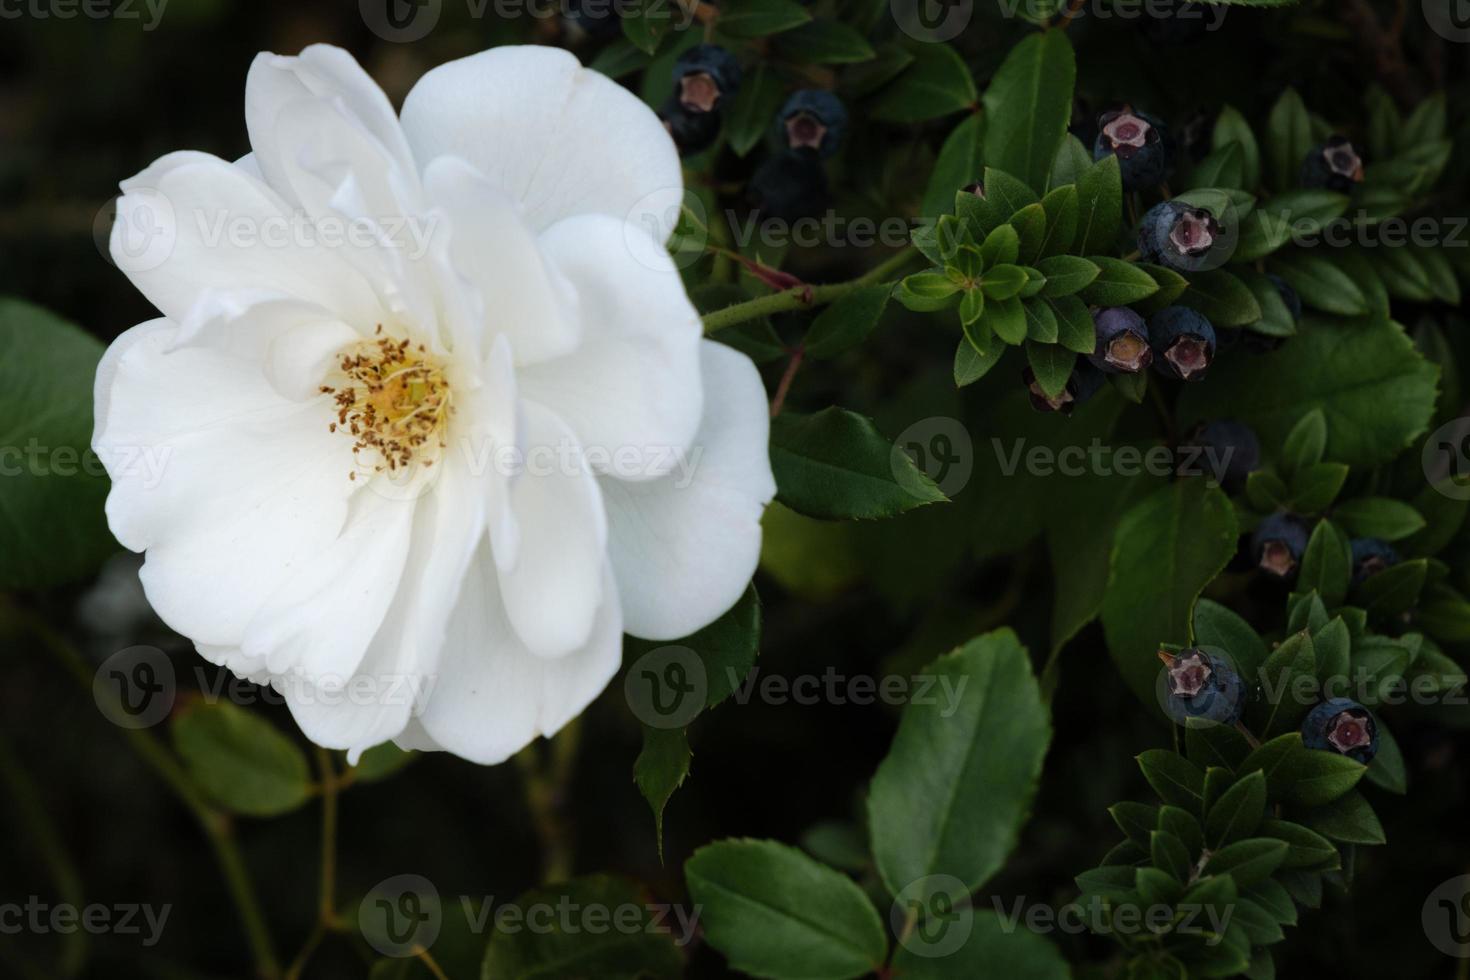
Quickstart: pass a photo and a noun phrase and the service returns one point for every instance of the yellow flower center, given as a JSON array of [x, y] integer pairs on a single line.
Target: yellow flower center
[[393, 399]]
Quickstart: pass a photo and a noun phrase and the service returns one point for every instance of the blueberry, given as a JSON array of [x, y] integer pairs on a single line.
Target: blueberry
[[1278, 543], [1082, 385], [1140, 142], [1200, 685], [812, 119], [1230, 448], [1288, 295], [693, 132], [1176, 235], [1334, 165], [705, 77], [1122, 341], [1342, 726], [1371, 556], [1183, 342], [789, 186]]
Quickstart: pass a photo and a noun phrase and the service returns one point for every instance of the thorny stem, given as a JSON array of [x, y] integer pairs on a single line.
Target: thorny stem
[[1070, 14], [216, 825], [331, 783], [805, 296], [783, 387]]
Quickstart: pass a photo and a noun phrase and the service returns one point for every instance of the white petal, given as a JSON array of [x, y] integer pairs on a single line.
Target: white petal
[[558, 138], [492, 696], [632, 389], [200, 237], [320, 71], [684, 547], [555, 586]]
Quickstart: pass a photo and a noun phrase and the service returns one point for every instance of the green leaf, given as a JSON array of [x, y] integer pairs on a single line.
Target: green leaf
[[1276, 319], [952, 793], [756, 103], [1066, 274], [1178, 781], [1238, 812], [1001, 246], [620, 57], [1248, 861], [1332, 645], [928, 292], [1320, 283], [649, 25], [1231, 129], [1181, 535], [993, 947], [761, 18], [1403, 274], [1349, 819], [52, 527], [1060, 206], [1393, 591], [240, 760], [935, 84], [1305, 443], [1099, 207], [1052, 363], [1223, 299], [1075, 328], [1028, 104], [1030, 225], [1288, 139], [1041, 328], [1007, 318], [568, 946], [835, 465], [660, 769], [1291, 664], [1218, 626], [380, 762], [1224, 167], [1387, 770], [972, 308], [1316, 487], [958, 165], [1168, 855], [825, 42], [1003, 281], [847, 322], [1376, 391], [1305, 847], [1137, 821], [1118, 283], [1327, 564], [971, 365]]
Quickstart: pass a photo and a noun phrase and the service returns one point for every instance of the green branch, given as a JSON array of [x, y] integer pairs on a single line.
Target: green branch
[[801, 297]]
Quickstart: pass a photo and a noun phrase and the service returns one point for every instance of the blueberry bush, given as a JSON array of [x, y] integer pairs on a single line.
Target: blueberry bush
[[1113, 615]]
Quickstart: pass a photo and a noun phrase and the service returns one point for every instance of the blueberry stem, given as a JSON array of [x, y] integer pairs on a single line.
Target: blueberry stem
[[805, 296]]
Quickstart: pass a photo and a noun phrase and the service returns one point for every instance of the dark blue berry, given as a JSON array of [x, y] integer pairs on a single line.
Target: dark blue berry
[[706, 77], [1175, 235], [1371, 556], [1343, 726], [1231, 448], [1139, 141], [1334, 165], [1183, 342], [789, 186], [1082, 385], [812, 119], [1121, 341], [1198, 684], [1288, 295], [1278, 543], [693, 132]]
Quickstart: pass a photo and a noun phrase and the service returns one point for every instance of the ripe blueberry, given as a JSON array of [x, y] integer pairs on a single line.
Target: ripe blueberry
[[1082, 385], [1334, 165], [693, 132], [1183, 342], [1140, 142], [788, 186], [1122, 341], [1176, 235], [705, 77], [1199, 685], [1342, 726], [1371, 556], [812, 119], [1229, 446], [1288, 295], [1278, 543]]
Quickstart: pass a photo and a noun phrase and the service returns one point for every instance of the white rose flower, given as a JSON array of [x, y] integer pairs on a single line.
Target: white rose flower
[[428, 422]]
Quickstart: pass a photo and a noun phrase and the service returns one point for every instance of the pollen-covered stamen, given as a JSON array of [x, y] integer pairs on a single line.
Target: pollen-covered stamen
[[393, 399]]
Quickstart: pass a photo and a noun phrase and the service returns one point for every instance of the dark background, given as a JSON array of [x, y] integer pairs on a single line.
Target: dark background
[[85, 103]]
